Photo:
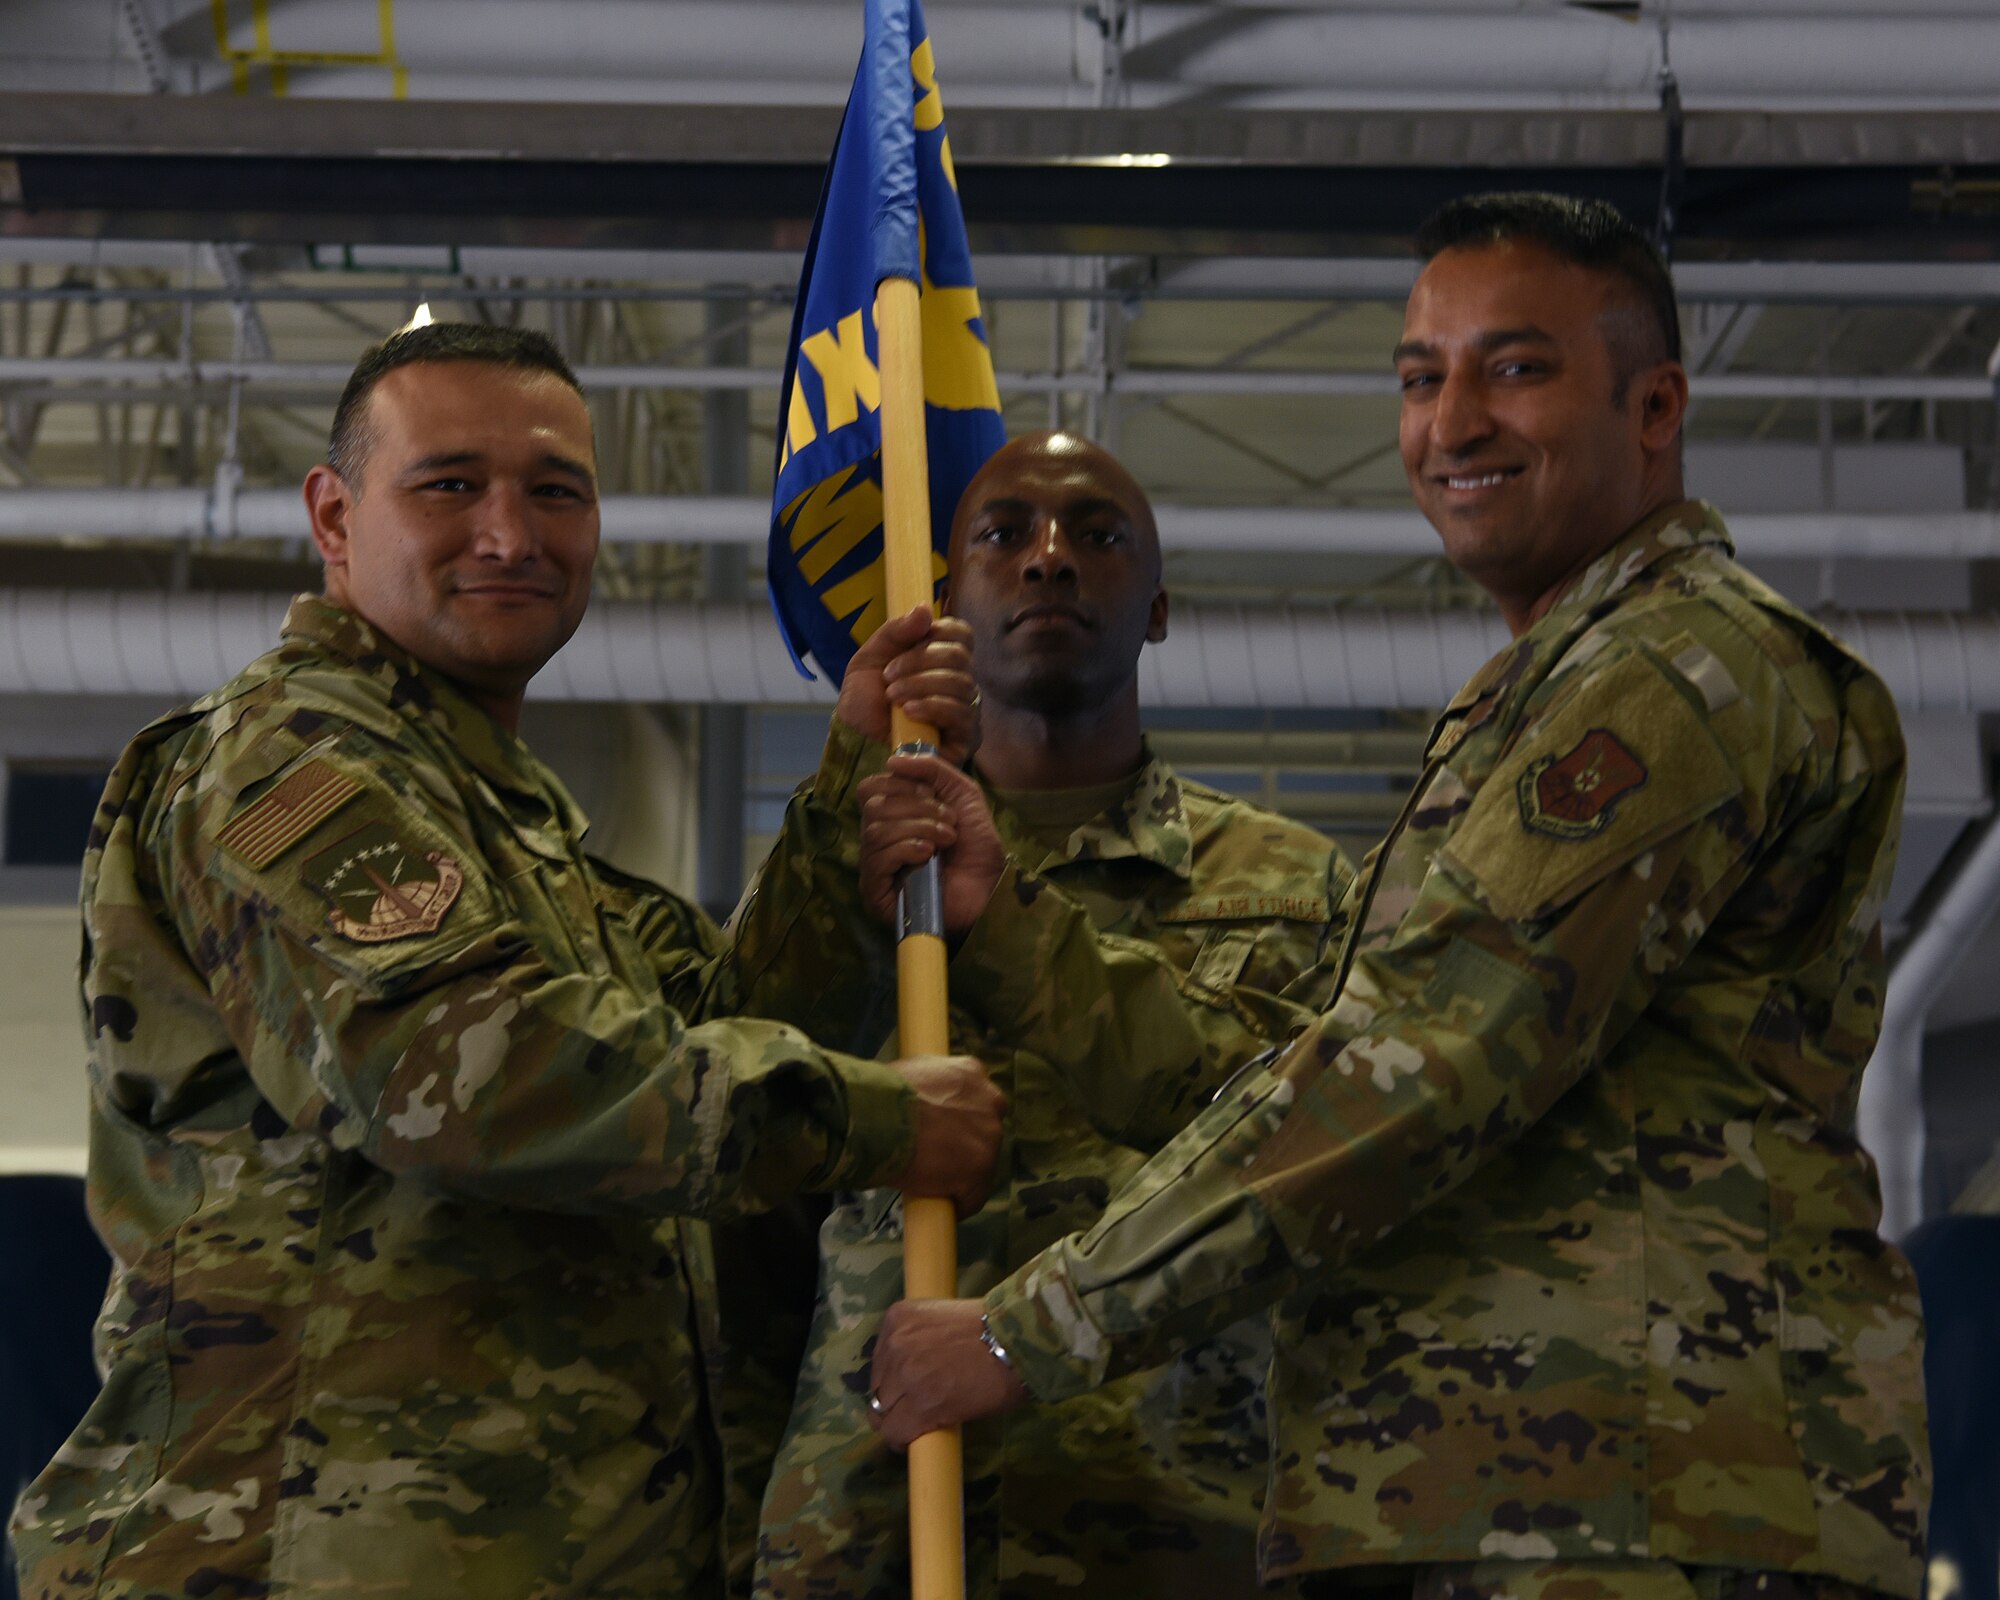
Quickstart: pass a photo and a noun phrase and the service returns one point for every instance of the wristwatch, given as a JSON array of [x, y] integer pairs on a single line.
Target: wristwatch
[[994, 1347]]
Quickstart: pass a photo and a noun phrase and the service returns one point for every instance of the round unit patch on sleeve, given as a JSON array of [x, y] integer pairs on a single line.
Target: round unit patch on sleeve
[[1575, 795], [381, 887]]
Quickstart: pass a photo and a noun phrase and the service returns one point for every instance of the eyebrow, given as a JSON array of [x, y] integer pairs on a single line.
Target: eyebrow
[[575, 469], [1485, 344], [460, 458], [444, 458]]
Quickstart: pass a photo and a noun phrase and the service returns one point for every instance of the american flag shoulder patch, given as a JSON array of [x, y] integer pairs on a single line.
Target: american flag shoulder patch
[[274, 822]]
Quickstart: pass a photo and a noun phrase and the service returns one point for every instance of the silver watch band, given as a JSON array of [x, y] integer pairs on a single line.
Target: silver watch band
[[993, 1345]]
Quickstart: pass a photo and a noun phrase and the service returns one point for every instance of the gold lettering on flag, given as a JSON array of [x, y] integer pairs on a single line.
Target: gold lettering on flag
[[850, 380]]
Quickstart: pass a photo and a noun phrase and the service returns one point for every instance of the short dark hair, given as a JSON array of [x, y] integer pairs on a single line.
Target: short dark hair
[[522, 349], [1590, 233]]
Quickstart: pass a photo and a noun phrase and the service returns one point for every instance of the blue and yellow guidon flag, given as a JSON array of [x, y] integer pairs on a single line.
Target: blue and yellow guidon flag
[[889, 210]]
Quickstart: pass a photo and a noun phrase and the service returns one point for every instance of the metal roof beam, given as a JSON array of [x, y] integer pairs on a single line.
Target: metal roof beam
[[1196, 181], [626, 134], [307, 376], [171, 514]]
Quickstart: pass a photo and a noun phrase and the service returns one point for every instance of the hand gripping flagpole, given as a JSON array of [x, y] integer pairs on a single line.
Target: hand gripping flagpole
[[930, 1229]]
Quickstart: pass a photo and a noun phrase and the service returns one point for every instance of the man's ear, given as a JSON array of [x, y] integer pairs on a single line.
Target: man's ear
[[329, 503], [1156, 618], [1663, 405]]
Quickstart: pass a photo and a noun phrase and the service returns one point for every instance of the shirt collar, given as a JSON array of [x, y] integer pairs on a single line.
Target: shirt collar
[[1149, 825], [1685, 525], [424, 694], [1669, 532]]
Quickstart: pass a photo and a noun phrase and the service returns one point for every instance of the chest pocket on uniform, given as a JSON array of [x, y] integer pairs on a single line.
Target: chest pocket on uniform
[[1261, 940], [547, 881], [1223, 956]]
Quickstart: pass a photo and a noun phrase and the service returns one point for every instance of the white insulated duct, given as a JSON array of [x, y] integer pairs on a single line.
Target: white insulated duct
[[1751, 62], [1006, 53], [281, 514], [157, 514], [332, 377], [174, 646], [1318, 657], [692, 41]]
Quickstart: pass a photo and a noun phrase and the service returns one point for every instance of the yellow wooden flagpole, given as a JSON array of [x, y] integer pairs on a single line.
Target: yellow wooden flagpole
[[930, 1230]]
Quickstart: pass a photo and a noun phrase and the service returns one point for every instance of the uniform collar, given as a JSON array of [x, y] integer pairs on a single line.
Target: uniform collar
[[424, 694], [1668, 532], [1150, 825], [1683, 526]]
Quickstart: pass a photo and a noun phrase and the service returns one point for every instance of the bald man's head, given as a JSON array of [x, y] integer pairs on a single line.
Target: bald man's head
[[1056, 460], [1055, 561]]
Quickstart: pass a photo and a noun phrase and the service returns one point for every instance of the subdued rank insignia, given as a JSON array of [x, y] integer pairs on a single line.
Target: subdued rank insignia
[[380, 888], [1575, 796], [282, 816]]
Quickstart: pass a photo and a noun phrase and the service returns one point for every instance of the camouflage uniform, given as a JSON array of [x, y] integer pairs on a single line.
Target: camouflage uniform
[[1151, 1485], [397, 1100], [1574, 1252]]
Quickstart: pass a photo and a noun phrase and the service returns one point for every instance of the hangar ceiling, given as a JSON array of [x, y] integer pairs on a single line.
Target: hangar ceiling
[[1189, 223]]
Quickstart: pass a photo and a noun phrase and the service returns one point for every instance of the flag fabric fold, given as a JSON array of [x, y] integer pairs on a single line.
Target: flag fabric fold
[[889, 209]]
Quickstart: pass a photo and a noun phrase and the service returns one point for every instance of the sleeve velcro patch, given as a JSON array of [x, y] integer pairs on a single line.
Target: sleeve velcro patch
[[1575, 795], [1623, 764], [379, 886], [270, 825]]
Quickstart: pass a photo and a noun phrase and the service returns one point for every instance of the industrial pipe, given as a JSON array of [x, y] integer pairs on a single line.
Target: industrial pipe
[[1012, 54], [1890, 1116], [216, 513], [294, 376], [137, 641], [684, 271]]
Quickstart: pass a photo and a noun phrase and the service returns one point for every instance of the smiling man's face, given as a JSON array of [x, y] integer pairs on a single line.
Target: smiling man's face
[[1523, 447], [1056, 565], [472, 535]]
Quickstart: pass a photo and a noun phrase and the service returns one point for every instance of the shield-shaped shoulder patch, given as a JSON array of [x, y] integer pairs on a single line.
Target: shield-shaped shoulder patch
[[381, 887], [1575, 796]]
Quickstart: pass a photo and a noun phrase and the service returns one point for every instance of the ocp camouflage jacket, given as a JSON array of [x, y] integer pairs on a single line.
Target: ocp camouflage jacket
[[1153, 1484], [1575, 1246], [397, 1101]]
